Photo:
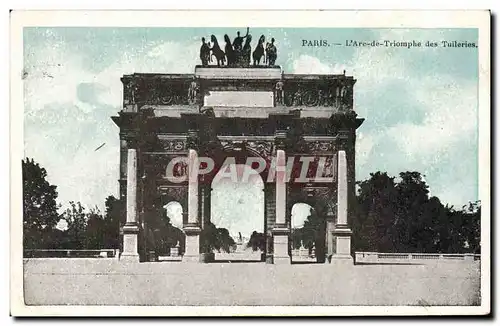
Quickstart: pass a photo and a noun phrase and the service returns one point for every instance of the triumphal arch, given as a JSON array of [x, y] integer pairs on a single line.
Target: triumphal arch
[[300, 124]]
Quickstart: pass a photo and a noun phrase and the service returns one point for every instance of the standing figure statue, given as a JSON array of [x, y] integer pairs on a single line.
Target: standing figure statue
[[204, 52], [271, 53], [247, 51], [238, 41], [238, 46], [279, 92], [259, 51], [231, 60], [193, 91], [216, 51]]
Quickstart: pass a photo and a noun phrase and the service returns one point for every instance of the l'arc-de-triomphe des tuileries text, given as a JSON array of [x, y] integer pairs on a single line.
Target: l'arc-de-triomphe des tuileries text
[[237, 111]]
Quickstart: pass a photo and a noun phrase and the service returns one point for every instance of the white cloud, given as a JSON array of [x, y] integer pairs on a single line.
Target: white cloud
[[306, 64], [168, 57], [364, 145], [449, 106], [54, 73], [450, 116], [51, 76]]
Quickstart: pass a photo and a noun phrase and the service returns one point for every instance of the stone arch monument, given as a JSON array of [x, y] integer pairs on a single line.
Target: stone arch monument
[[258, 111]]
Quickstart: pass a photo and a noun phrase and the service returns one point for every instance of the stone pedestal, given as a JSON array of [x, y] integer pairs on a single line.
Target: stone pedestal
[[251, 73], [192, 253], [280, 244], [342, 237], [130, 243]]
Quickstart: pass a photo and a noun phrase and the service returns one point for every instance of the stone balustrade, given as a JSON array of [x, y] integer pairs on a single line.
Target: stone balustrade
[[72, 253], [302, 254], [409, 258]]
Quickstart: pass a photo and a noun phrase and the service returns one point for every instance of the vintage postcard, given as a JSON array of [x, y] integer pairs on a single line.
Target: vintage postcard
[[284, 163]]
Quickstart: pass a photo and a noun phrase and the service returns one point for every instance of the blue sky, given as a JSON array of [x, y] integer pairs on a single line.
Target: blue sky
[[420, 104]]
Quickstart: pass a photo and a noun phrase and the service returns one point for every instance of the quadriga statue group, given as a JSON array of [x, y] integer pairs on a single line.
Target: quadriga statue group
[[239, 52]]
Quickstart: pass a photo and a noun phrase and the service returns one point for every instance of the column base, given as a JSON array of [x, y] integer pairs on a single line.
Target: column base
[[128, 257], [207, 257], [280, 243], [269, 259], [342, 237], [284, 260], [130, 243], [191, 259], [192, 249], [342, 259]]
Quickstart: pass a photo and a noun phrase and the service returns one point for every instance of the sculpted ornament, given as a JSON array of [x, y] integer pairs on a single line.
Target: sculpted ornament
[[263, 148], [320, 146], [178, 194]]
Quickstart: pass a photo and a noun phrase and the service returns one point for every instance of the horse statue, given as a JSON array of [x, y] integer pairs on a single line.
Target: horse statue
[[259, 51], [247, 50], [231, 60], [217, 52]]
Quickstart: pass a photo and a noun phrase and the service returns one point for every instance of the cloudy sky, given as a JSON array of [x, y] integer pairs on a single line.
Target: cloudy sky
[[420, 104]]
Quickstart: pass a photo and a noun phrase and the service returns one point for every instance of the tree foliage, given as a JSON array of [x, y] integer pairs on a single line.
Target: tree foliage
[[39, 205], [399, 216], [310, 233], [257, 241], [213, 238], [166, 235]]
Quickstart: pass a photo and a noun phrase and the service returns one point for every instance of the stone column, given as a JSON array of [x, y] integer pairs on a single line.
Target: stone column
[[131, 227], [270, 216], [342, 233], [192, 228], [281, 229], [205, 197], [330, 227]]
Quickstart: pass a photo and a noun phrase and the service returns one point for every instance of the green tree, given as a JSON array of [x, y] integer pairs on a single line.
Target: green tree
[[213, 238], [257, 241], [311, 231], [77, 224], [95, 230], [399, 216], [166, 235], [373, 224], [115, 210], [412, 198], [39, 206], [472, 227]]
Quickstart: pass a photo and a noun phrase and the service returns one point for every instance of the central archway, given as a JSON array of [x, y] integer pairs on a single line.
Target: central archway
[[237, 205]]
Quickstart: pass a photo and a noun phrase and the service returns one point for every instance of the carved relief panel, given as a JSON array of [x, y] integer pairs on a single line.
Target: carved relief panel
[[153, 90], [333, 93]]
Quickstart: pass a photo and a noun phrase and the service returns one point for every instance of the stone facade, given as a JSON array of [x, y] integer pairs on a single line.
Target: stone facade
[[165, 117]]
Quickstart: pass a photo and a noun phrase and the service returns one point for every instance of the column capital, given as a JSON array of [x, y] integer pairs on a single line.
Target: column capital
[[280, 229], [191, 228], [280, 139], [130, 228], [193, 139], [131, 137], [343, 139]]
